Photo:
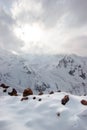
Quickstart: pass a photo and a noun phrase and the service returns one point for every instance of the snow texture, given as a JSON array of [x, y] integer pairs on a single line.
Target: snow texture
[[46, 114]]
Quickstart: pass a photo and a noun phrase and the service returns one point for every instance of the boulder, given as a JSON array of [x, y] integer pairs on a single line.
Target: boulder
[[65, 99], [84, 102], [27, 92]]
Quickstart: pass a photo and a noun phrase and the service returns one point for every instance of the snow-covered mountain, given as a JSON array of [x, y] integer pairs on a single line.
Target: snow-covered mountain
[[44, 72]]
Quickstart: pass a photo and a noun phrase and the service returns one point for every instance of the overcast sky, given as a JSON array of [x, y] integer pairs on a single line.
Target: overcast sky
[[44, 26]]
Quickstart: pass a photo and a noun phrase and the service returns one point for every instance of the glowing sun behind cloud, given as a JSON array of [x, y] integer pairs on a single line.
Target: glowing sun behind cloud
[[29, 34]]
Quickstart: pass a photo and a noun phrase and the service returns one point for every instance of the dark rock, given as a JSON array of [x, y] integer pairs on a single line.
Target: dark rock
[[84, 102], [65, 99], [5, 90], [41, 93], [34, 98], [39, 99], [13, 93], [51, 92], [24, 98], [58, 114], [71, 72], [27, 92], [59, 91], [83, 75], [4, 86]]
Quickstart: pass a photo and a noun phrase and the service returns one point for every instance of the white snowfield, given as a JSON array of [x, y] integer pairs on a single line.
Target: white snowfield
[[47, 114], [44, 72]]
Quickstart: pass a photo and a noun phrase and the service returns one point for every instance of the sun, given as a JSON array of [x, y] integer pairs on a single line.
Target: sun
[[29, 33]]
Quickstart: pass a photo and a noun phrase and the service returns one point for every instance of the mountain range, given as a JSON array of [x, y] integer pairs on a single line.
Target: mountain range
[[44, 72]]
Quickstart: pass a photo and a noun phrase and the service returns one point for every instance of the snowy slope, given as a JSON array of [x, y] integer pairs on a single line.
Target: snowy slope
[[44, 72], [46, 114]]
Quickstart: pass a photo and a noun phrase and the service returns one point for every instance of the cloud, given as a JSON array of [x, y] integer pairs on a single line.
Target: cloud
[[8, 39], [50, 12], [76, 13], [41, 11], [27, 11], [62, 25], [77, 44]]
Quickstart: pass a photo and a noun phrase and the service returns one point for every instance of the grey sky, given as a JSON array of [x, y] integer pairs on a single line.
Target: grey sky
[[44, 26]]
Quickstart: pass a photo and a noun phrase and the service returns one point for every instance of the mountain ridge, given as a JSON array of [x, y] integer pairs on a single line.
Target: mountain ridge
[[44, 73]]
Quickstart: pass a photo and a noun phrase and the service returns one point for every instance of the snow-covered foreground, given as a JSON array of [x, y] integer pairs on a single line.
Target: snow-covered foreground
[[47, 114]]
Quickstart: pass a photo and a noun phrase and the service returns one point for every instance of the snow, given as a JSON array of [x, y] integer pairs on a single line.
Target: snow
[[46, 111], [22, 71], [42, 115]]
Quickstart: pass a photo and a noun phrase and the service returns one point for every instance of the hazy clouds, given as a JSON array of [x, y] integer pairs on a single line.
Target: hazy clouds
[[63, 24], [8, 40]]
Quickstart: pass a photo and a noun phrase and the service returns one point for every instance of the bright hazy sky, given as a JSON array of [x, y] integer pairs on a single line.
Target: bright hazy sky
[[44, 26]]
